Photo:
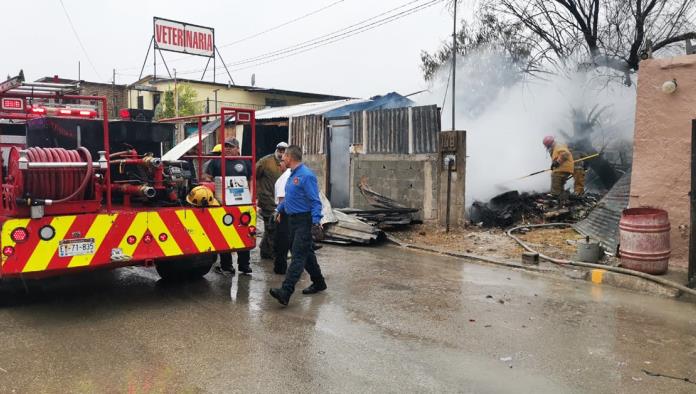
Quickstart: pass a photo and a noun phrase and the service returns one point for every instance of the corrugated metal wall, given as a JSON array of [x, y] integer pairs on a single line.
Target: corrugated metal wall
[[602, 223], [308, 132], [426, 126], [388, 129]]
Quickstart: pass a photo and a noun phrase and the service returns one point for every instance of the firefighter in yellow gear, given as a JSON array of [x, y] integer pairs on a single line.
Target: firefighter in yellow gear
[[579, 176], [562, 165]]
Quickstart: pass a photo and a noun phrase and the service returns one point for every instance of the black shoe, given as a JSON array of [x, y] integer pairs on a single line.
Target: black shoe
[[280, 270], [224, 271], [281, 295], [315, 288], [245, 269]]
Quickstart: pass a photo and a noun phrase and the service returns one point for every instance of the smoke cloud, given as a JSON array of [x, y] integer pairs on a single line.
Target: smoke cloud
[[506, 117]]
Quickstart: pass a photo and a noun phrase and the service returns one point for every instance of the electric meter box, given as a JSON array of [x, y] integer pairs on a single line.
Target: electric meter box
[[236, 190]]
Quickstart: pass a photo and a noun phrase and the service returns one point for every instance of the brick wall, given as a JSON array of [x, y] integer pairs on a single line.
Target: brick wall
[[117, 95]]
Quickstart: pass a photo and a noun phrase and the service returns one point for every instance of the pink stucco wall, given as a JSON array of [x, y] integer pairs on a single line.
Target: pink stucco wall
[[662, 145]]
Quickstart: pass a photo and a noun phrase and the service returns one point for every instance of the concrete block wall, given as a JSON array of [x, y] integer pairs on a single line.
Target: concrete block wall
[[409, 179]]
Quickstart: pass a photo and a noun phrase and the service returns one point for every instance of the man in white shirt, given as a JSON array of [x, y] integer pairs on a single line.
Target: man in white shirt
[[281, 243]]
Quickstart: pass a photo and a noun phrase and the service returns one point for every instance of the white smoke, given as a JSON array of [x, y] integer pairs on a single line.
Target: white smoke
[[506, 118]]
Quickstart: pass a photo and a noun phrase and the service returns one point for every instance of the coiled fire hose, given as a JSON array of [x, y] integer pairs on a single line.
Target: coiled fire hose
[[625, 271], [58, 184]]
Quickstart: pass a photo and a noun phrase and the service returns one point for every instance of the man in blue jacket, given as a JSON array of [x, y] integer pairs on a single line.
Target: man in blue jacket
[[302, 209]]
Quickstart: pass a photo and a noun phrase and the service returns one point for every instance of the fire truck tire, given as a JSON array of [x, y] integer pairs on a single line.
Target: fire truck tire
[[185, 268]]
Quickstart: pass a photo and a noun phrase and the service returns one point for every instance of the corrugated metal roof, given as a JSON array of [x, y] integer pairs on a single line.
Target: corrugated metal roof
[[602, 224], [317, 108]]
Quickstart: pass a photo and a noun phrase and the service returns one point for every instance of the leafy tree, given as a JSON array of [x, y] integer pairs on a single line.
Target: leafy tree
[[187, 103]]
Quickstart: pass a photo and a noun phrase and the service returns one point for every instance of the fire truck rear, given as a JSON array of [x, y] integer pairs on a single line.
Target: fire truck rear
[[80, 192]]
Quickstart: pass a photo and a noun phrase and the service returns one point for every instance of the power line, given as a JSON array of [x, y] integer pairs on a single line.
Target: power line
[[79, 41], [281, 25], [335, 39], [334, 36], [297, 19]]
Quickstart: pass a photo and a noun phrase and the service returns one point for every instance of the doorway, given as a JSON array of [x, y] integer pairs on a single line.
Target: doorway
[[339, 132]]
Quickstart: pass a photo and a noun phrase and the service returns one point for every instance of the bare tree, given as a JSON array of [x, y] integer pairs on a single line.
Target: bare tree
[[487, 33], [611, 33]]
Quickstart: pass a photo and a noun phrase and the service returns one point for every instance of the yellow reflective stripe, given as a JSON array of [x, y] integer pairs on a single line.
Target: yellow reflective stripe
[[137, 228], [195, 230], [157, 227], [45, 250], [7, 228], [229, 232], [98, 230]]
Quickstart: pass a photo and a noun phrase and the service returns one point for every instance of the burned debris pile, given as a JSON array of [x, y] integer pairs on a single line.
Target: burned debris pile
[[510, 208]]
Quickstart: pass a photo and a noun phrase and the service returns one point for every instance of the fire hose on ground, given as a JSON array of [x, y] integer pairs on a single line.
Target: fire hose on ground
[[619, 270]]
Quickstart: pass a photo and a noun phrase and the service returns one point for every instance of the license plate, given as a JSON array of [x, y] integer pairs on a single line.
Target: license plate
[[75, 247]]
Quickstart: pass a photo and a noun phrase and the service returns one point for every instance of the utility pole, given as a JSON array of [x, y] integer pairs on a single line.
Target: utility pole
[[216, 99], [113, 94], [176, 97], [454, 62]]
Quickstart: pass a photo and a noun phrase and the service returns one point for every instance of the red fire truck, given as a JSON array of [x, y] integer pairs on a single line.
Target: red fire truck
[[81, 192]]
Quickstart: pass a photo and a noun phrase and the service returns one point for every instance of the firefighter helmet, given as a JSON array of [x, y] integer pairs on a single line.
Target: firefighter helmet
[[217, 148], [201, 196], [548, 141]]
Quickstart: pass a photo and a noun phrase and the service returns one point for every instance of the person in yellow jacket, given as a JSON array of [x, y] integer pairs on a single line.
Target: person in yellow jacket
[[562, 164]]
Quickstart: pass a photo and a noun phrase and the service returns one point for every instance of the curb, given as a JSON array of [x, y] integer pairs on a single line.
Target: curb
[[596, 276], [600, 276]]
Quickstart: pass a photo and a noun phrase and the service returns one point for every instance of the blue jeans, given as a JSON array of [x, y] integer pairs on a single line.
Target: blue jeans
[[303, 257]]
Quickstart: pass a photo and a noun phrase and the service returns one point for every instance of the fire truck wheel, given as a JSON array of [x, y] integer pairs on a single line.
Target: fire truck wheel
[[185, 268]]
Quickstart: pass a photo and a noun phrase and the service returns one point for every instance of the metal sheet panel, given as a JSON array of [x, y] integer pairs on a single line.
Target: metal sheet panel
[[602, 223], [426, 126], [291, 111], [388, 129], [339, 159]]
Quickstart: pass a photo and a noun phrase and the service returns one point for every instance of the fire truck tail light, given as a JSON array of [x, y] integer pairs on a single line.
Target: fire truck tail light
[[8, 251], [147, 238], [252, 231], [163, 237], [124, 114], [131, 239], [38, 110], [228, 220], [12, 104], [20, 234], [65, 111], [245, 219]]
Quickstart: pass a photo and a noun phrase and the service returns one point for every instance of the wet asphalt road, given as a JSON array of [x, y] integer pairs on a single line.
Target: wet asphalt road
[[392, 320]]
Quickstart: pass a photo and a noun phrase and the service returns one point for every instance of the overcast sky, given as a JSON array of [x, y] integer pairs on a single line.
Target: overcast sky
[[115, 34]]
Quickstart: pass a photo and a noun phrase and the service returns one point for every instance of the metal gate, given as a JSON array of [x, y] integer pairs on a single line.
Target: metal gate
[[339, 132]]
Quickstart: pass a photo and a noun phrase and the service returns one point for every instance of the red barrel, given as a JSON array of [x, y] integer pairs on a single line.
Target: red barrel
[[644, 240]]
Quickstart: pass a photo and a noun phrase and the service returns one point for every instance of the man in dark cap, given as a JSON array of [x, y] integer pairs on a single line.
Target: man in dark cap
[[233, 167]]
